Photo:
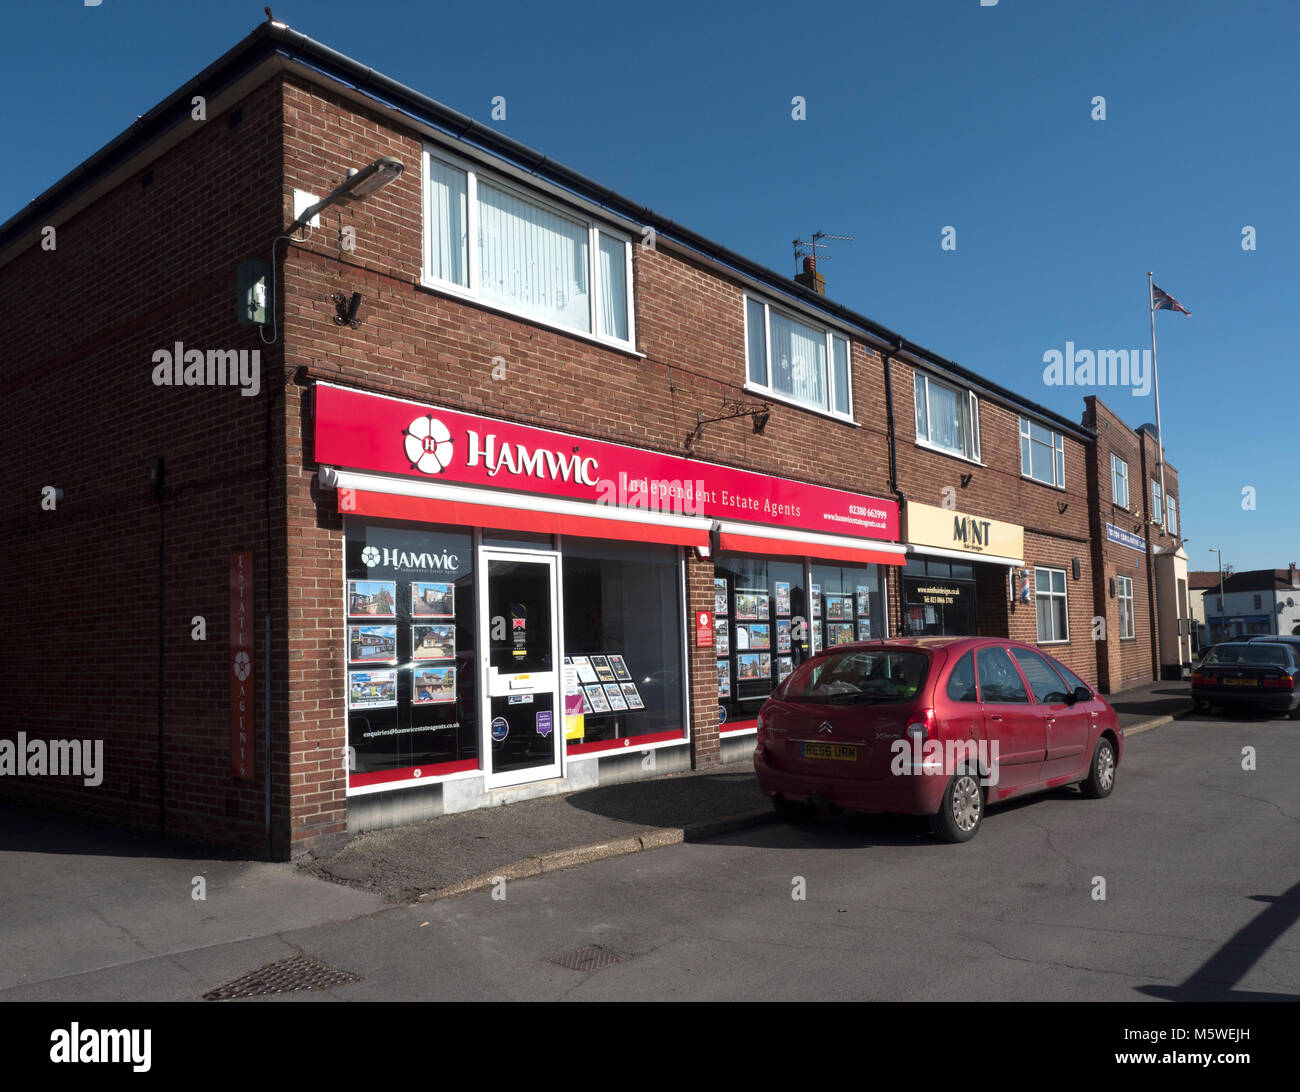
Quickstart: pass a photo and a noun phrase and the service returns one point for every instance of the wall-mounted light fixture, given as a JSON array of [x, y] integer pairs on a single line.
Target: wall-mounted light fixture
[[346, 309], [731, 411], [358, 185]]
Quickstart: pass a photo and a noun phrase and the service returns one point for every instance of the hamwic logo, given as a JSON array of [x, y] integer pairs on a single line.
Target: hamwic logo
[[381, 556], [112, 1045], [430, 449]]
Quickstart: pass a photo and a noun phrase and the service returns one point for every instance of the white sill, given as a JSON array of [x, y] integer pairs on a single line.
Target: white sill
[[1041, 644], [951, 454], [1045, 485], [461, 296], [772, 396]]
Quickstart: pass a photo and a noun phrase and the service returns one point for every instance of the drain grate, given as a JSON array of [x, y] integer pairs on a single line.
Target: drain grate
[[298, 972], [591, 958]]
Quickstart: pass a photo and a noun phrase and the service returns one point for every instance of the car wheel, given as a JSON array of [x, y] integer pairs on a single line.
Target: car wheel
[[1294, 714], [962, 810], [1203, 706], [1101, 777]]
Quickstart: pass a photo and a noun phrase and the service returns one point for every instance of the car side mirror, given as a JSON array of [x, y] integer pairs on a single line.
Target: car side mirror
[[1058, 697], [1081, 693]]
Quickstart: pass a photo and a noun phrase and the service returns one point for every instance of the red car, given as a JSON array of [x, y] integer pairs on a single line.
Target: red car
[[937, 726]]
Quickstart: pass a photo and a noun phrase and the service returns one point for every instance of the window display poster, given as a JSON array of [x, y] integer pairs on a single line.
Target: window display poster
[[747, 603], [586, 673], [784, 668], [433, 600], [719, 595], [760, 636], [783, 635], [604, 672], [372, 689], [817, 638], [435, 642], [632, 695], [749, 665], [722, 636], [864, 629], [724, 678], [433, 685], [742, 638], [817, 600], [373, 598], [597, 702], [373, 644], [762, 604], [621, 673], [835, 607], [575, 702], [614, 693], [864, 601], [841, 633]]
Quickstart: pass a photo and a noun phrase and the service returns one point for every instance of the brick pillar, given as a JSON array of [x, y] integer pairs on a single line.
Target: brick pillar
[[706, 748]]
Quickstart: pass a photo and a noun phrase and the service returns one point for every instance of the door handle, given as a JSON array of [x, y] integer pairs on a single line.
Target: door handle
[[995, 717], [1051, 721]]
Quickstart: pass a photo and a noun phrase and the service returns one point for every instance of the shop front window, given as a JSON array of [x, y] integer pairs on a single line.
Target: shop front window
[[761, 630], [623, 639], [848, 604], [938, 598], [409, 648]]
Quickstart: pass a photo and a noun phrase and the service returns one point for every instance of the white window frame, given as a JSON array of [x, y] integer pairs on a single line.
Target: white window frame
[[470, 291], [1171, 516], [1118, 477], [1058, 453], [1157, 504], [1063, 595], [1121, 583], [767, 389], [972, 447]]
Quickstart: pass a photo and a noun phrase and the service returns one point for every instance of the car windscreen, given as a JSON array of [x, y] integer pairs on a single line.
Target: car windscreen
[[1251, 655], [862, 675]]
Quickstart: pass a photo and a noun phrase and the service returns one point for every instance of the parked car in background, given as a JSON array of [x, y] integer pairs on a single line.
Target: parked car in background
[[890, 725], [1263, 675]]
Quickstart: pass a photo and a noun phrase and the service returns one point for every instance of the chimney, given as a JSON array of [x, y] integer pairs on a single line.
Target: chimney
[[1295, 577], [810, 278]]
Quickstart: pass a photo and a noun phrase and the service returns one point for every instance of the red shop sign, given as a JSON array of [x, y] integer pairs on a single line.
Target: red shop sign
[[241, 665], [703, 629], [359, 431]]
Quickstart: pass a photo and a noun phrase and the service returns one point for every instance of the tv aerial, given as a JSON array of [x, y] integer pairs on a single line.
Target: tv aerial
[[804, 249]]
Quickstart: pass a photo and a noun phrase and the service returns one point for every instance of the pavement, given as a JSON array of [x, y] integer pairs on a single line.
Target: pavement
[[469, 851], [78, 898]]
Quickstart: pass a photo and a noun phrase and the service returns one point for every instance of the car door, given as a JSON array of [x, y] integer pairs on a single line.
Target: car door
[[1011, 721], [1067, 723]]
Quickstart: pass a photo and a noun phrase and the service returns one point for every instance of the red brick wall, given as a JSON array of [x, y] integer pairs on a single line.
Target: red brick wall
[[997, 490], [134, 272]]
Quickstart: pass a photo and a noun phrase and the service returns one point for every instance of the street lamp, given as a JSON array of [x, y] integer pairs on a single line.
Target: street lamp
[[1223, 625]]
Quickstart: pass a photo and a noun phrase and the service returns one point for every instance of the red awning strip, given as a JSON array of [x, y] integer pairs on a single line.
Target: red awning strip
[[754, 544], [428, 510]]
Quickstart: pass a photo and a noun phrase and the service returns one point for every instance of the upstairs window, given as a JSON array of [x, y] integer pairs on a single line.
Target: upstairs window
[[1157, 511], [523, 254], [1042, 453], [796, 362], [1171, 514], [1119, 481], [947, 417]]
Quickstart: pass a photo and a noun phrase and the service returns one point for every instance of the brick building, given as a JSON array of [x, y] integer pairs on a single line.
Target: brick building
[[1142, 588], [599, 481]]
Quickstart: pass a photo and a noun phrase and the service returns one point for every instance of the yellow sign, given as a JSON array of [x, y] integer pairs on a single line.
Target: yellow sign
[[947, 529]]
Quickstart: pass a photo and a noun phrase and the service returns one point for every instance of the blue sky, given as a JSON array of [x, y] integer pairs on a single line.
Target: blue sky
[[921, 114]]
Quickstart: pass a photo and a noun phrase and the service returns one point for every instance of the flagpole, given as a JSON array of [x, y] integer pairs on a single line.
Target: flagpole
[[1155, 375]]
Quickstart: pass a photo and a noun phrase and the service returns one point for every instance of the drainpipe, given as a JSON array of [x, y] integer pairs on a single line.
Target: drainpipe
[[885, 356]]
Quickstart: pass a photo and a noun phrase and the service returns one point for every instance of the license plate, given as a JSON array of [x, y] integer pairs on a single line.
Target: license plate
[[1241, 682], [841, 751]]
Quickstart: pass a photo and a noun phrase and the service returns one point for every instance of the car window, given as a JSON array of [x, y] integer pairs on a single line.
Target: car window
[[998, 679], [876, 675], [961, 683], [1069, 676], [1042, 679], [1250, 655]]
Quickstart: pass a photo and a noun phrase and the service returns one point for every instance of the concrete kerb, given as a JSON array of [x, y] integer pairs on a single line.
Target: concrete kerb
[[654, 838], [658, 837]]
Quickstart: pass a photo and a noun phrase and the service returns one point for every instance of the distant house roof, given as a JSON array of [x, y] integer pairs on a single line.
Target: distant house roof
[[1258, 580], [1199, 580]]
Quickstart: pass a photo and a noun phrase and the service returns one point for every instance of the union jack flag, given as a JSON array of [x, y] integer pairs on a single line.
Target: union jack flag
[[520, 623], [1163, 301]]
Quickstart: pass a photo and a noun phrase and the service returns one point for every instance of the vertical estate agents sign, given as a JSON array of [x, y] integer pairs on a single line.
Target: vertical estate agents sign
[[361, 431], [241, 665]]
